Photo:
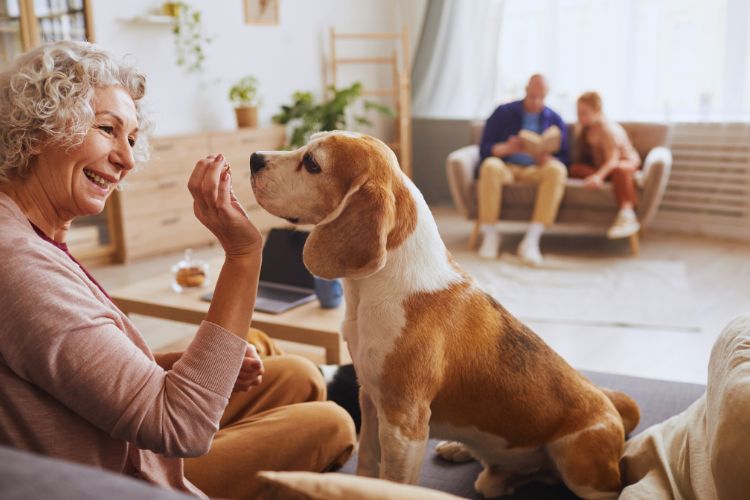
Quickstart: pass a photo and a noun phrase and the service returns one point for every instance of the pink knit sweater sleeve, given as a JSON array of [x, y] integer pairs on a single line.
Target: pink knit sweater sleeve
[[57, 334]]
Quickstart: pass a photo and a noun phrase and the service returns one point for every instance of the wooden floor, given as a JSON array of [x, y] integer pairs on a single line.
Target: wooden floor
[[718, 273]]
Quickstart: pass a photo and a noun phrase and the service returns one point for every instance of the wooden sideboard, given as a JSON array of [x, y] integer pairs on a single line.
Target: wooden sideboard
[[153, 213]]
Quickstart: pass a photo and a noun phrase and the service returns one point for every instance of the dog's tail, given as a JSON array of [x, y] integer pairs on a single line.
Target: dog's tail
[[626, 407]]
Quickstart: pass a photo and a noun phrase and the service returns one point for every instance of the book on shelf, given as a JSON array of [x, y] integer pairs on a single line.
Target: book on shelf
[[548, 142]]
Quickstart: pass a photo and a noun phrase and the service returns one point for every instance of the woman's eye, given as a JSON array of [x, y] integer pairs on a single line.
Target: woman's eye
[[106, 129], [310, 164], [131, 141]]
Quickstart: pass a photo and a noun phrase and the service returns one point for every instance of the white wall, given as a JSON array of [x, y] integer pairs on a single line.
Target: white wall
[[284, 57]]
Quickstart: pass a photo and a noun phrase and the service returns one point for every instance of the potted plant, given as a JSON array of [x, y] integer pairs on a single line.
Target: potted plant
[[171, 9], [244, 96], [305, 117], [189, 39]]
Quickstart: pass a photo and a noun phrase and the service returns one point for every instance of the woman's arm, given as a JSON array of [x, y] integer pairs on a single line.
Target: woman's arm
[[166, 359], [57, 334], [609, 153], [219, 210], [604, 153]]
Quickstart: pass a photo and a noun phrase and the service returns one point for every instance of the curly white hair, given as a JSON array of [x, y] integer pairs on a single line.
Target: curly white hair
[[46, 99]]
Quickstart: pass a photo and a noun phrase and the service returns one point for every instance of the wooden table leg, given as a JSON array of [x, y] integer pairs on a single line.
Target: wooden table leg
[[333, 353], [634, 244], [474, 236]]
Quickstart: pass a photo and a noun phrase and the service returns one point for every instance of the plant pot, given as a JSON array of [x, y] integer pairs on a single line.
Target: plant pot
[[171, 9], [247, 116]]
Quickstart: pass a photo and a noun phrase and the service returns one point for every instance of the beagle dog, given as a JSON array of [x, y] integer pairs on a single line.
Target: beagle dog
[[435, 355]]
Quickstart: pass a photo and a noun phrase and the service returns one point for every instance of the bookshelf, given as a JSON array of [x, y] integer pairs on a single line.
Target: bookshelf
[[25, 24]]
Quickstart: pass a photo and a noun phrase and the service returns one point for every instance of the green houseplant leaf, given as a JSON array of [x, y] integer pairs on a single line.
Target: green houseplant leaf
[[305, 116], [244, 92]]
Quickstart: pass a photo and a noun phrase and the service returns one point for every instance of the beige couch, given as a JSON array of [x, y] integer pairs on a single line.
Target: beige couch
[[582, 211]]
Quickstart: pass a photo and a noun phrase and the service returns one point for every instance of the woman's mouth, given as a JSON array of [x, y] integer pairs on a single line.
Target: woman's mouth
[[98, 179]]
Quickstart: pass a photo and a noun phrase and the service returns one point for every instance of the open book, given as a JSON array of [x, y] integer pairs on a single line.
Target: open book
[[546, 143]]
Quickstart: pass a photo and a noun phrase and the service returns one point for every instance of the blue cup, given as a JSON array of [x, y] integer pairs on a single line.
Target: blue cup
[[330, 293]]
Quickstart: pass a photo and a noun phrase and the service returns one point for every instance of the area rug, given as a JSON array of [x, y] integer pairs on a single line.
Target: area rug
[[620, 292]]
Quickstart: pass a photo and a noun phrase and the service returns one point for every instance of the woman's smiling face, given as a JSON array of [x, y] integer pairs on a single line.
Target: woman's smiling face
[[78, 181]]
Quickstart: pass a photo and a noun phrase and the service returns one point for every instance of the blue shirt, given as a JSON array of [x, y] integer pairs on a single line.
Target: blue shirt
[[507, 120], [529, 121]]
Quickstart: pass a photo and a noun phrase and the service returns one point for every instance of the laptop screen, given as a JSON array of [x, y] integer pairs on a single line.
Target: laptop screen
[[282, 259]]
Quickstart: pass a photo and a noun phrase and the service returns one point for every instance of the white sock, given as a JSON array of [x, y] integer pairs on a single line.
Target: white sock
[[490, 228], [534, 233], [628, 213], [490, 241]]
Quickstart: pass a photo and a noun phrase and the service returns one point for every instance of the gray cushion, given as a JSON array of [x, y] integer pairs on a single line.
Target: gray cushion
[[658, 400], [24, 476]]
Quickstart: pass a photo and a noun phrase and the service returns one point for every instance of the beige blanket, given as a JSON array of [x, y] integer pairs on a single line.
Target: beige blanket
[[704, 452]]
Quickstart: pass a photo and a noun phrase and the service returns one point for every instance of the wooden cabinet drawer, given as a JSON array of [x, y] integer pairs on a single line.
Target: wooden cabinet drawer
[[155, 208], [246, 141], [163, 232], [243, 188], [152, 195], [174, 154], [237, 146]]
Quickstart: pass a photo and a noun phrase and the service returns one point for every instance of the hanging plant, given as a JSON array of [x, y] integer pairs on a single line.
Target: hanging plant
[[189, 39]]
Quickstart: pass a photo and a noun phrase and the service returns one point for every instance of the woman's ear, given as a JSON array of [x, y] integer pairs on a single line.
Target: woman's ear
[[353, 245]]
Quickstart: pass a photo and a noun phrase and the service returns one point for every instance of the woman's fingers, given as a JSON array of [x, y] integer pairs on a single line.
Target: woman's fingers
[[247, 386], [196, 181], [251, 370], [251, 365], [210, 184], [225, 192]]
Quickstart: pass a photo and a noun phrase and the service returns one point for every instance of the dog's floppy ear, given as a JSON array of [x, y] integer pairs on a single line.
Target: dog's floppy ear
[[353, 244]]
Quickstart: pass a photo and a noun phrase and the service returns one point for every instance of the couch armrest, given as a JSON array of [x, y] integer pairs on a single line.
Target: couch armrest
[[459, 167], [653, 179]]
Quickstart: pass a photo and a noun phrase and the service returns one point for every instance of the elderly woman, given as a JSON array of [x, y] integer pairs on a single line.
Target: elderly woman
[[77, 380]]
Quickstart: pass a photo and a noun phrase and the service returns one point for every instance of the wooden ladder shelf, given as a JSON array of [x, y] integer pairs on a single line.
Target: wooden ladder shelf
[[399, 91]]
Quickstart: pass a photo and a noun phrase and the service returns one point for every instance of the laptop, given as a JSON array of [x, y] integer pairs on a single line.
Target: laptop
[[285, 282]]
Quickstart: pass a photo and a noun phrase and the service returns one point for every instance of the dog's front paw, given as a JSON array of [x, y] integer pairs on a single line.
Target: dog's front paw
[[491, 484], [453, 451]]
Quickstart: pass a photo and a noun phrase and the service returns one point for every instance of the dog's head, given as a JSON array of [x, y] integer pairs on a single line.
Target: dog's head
[[351, 188]]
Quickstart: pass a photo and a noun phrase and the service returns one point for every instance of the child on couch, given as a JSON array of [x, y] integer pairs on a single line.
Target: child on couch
[[603, 152]]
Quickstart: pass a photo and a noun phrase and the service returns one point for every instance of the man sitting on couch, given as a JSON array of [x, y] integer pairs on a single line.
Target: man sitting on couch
[[503, 161]]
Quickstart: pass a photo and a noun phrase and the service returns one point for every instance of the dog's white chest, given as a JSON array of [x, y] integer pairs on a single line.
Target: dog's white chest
[[372, 336]]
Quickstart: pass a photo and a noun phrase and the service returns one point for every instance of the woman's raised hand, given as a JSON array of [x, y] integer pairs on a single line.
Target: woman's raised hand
[[216, 207]]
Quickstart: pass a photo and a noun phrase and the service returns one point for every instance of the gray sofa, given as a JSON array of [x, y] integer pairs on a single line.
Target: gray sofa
[[657, 399], [581, 210], [25, 475]]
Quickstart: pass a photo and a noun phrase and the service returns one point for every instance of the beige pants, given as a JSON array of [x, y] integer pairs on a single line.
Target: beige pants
[[703, 452], [493, 173], [283, 424]]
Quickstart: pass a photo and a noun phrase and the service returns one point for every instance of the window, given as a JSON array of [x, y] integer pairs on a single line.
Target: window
[[650, 59]]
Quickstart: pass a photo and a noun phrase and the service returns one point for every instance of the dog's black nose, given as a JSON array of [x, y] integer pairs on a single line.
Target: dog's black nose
[[257, 162]]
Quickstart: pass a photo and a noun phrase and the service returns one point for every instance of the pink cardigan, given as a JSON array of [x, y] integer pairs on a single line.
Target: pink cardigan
[[77, 380]]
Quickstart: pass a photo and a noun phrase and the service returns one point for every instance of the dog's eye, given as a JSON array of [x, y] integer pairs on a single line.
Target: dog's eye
[[310, 164]]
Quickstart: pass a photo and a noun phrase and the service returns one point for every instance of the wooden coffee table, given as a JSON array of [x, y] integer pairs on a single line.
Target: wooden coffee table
[[307, 324]]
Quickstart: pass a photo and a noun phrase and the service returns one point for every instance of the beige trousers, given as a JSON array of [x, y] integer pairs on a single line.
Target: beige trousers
[[283, 424], [703, 452], [494, 172]]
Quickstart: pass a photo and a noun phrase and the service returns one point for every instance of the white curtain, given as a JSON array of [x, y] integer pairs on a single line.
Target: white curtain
[[672, 60], [456, 63]]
